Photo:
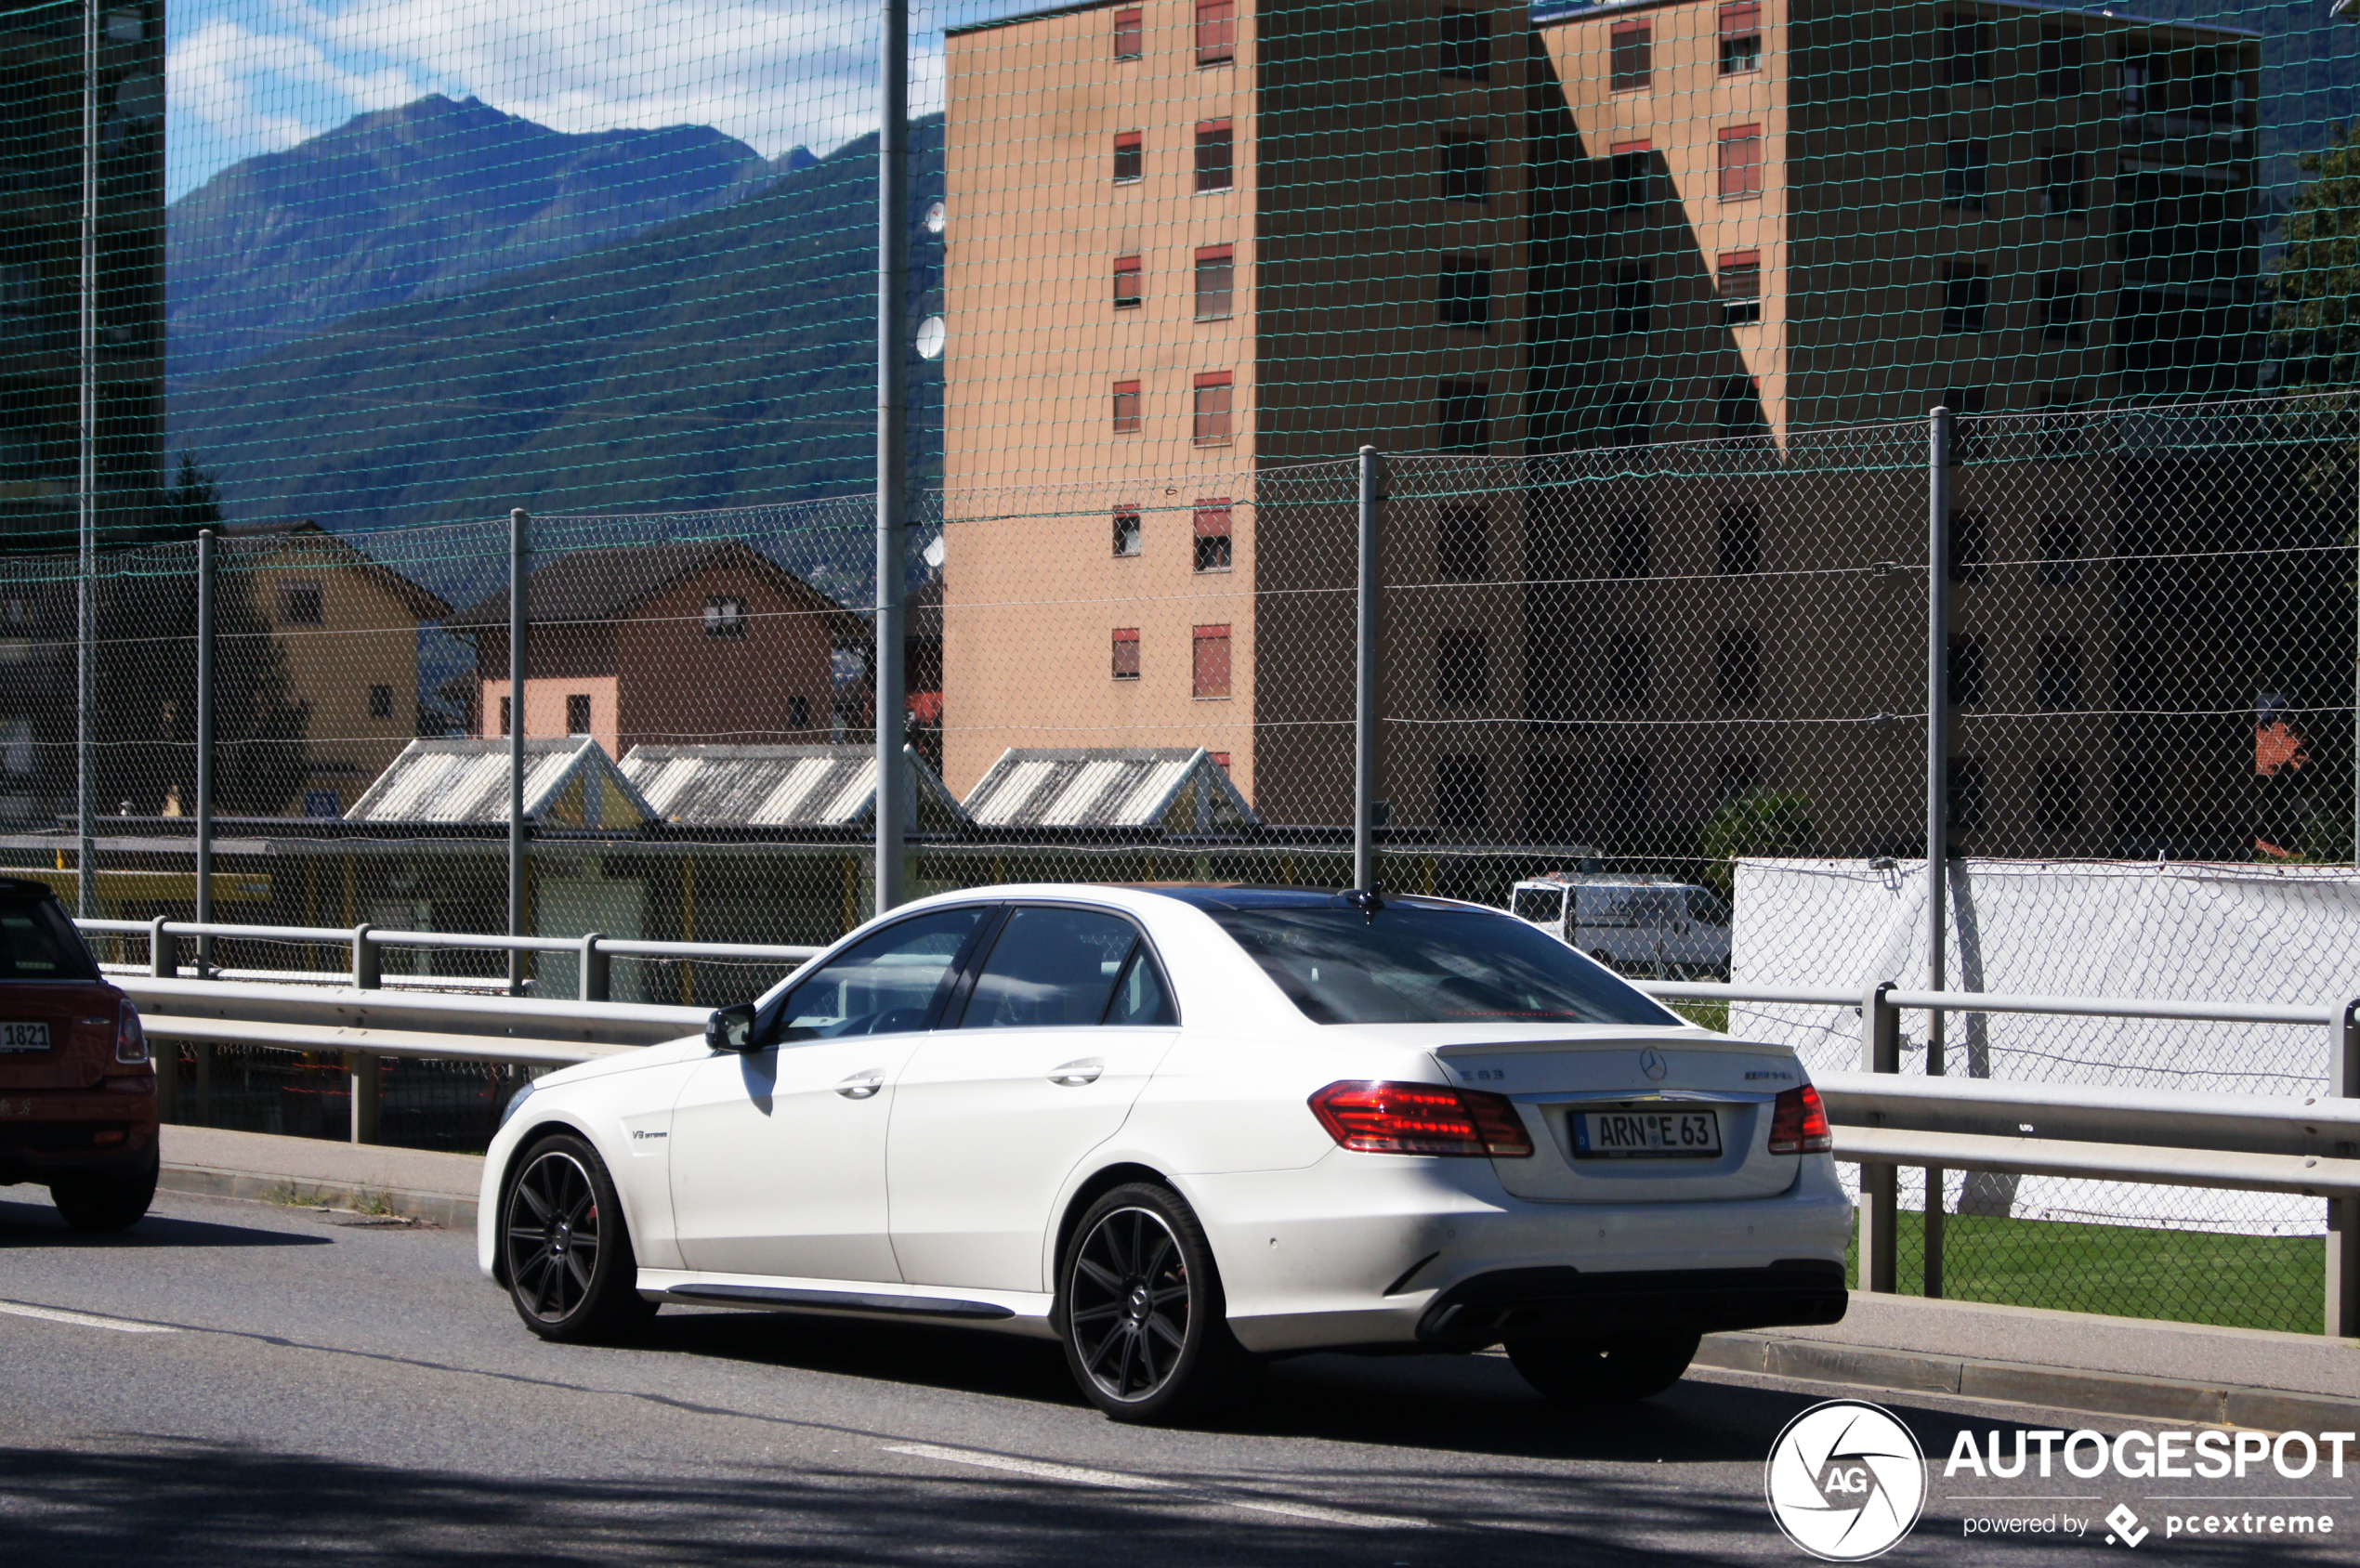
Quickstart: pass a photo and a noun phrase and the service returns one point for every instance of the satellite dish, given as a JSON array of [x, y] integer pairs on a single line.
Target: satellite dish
[[930, 336], [934, 217]]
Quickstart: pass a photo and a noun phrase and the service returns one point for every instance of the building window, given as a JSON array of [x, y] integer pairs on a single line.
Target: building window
[[1463, 292], [1969, 546], [1966, 169], [1630, 546], [1130, 156], [1217, 282], [1212, 529], [1216, 31], [1212, 409], [1462, 543], [1214, 170], [1462, 416], [2057, 797], [1964, 796], [2057, 680], [1630, 416], [381, 702], [1127, 653], [1128, 26], [2064, 182], [507, 711], [1634, 300], [1627, 670], [1737, 676], [1630, 799], [1466, 46], [1126, 407], [724, 618], [1467, 167], [1631, 56], [1741, 163], [1462, 672], [1740, 286], [2059, 298], [798, 712], [1126, 531], [2060, 551], [1740, 409], [1128, 289], [1740, 537], [1209, 665], [1740, 37], [1738, 775], [1967, 688], [577, 712], [1966, 47], [1966, 299], [1461, 793], [299, 604], [2061, 61], [1630, 177]]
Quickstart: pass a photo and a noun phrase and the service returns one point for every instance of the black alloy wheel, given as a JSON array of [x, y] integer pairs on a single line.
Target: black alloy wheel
[[1141, 1309], [566, 1250]]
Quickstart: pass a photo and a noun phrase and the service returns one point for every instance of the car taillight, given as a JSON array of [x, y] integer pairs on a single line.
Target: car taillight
[[130, 1039], [1420, 1118], [1799, 1123]]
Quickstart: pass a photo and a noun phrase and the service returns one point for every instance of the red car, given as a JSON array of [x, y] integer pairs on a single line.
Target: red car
[[77, 1089]]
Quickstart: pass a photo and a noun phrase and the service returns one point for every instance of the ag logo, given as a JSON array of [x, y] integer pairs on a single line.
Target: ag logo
[[1845, 1481]]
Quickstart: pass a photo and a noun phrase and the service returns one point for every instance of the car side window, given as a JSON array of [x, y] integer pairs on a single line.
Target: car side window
[[1140, 997], [1051, 968], [884, 985]]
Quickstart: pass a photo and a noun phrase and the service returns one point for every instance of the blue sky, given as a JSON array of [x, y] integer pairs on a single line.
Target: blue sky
[[248, 76]]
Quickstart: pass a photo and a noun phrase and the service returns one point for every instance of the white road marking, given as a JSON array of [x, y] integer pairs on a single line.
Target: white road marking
[[1077, 1476], [83, 1320]]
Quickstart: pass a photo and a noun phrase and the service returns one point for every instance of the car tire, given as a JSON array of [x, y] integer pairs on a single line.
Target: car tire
[[565, 1248], [1602, 1372], [113, 1202], [1141, 1312]]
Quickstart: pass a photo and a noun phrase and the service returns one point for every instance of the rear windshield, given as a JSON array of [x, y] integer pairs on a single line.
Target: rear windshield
[[38, 942], [1422, 965]]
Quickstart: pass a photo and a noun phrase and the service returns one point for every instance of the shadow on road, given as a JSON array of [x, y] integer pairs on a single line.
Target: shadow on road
[[36, 1224]]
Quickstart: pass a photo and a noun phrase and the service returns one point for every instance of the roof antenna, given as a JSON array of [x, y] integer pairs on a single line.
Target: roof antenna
[[1367, 900]]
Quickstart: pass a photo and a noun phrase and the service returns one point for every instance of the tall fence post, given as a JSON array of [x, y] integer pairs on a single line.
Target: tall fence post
[[163, 964], [365, 1074], [1880, 1182], [204, 748], [594, 982], [893, 271], [368, 960], [517, 552], [2344, 1213], [1938, 434], [85, 601], [1364, 705]]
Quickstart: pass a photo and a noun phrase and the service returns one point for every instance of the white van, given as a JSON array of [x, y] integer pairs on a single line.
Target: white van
[[1672, 930]]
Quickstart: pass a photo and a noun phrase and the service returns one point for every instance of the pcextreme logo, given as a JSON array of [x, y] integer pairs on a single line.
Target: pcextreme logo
[[1845, 1481]]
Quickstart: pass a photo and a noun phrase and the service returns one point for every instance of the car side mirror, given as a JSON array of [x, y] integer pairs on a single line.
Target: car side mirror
[[730, 1028]]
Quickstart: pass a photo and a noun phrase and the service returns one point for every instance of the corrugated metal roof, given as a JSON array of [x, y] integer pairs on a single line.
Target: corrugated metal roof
[[778, 785], [1179, 789], [568, 783]]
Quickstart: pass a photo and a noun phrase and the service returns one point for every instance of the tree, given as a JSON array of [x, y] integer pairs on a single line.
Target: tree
[[1754, 821], [2315, 323]]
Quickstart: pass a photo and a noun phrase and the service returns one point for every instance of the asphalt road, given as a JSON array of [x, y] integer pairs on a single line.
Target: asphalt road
[[336, 1390]]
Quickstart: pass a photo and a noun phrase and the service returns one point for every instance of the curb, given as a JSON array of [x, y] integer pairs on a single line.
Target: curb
[[436, 1208], [2108, 1394]]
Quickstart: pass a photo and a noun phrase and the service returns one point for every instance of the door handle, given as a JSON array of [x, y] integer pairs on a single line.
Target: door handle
[[862, 1085], [1073, 1075]]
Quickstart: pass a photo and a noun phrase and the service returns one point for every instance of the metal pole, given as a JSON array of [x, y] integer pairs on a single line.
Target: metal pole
[[2344, 1213], [1364, 710], [517, 551], [893, 270], [2355, 678], [1938, 785], [1880, 1053], [204, 747], [86, 669]]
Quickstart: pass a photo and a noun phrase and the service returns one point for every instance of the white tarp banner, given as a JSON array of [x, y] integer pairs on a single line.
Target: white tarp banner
[[2161, 931]]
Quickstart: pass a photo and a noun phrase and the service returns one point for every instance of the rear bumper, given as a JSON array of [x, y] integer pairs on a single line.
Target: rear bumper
[[1565, 1301], [45, 1134]]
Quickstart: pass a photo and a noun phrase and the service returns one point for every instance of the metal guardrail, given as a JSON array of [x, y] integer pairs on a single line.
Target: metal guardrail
[[2251, 1143]]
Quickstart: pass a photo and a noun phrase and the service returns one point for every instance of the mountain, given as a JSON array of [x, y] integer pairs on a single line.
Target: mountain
[[723, 359], [417, 203]]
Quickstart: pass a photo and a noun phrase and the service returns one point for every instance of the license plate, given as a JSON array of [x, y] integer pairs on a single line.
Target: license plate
[[1646, 1134], [24, 1037]]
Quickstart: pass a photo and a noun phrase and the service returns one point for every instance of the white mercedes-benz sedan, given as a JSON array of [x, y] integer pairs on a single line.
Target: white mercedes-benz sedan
[[1183, 1130]]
